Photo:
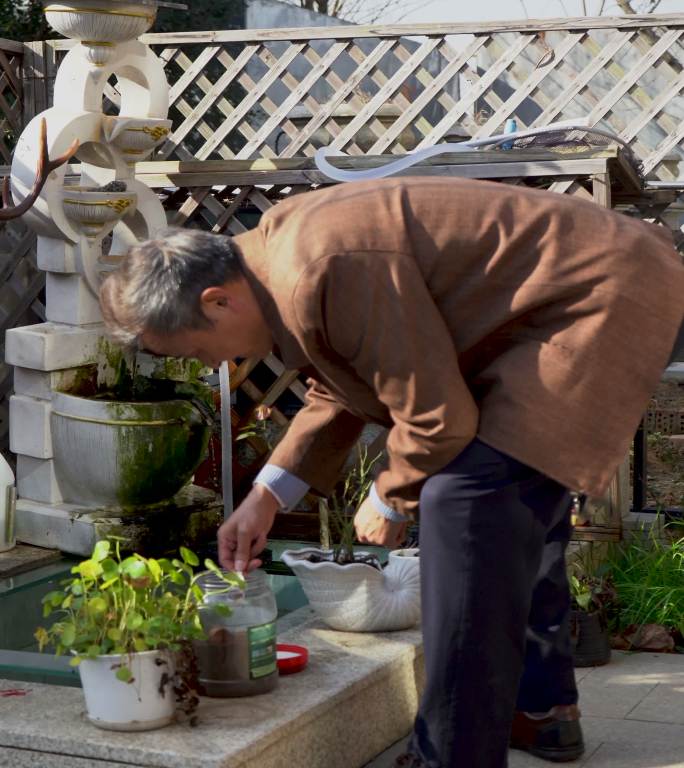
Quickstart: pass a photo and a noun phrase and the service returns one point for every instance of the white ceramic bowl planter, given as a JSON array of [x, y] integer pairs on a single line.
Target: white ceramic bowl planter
[[100, 24], [136, 138], [146, 703], [93, 211], [358, 597]]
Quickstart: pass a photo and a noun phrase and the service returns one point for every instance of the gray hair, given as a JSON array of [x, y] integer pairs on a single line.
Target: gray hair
[[158, 285]]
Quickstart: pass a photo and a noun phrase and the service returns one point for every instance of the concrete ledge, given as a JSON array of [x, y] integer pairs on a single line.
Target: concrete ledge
[[191, 518], [358, 695]]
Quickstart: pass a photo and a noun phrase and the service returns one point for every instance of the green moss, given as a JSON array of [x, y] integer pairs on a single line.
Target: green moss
[[80, 381], [154, 461]]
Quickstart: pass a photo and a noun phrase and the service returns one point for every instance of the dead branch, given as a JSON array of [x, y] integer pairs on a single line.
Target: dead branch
[[43, 170]]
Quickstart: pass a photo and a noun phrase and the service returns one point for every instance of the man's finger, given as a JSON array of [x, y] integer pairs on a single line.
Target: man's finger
[[243, 550], [226, 547]]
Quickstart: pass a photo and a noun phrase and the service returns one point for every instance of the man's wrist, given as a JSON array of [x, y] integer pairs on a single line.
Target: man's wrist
[[264, 495], [384, 509]]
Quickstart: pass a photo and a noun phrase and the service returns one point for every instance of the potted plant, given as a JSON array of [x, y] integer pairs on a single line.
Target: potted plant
[[348, 589], [129, 623], [591, 594]]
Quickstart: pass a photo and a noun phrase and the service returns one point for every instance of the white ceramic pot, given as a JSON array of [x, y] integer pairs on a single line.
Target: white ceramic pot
[[141, 705], [358, 597], [125, 454]]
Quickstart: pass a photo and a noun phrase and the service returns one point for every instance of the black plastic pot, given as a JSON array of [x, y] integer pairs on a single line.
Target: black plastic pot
[[590, 639]]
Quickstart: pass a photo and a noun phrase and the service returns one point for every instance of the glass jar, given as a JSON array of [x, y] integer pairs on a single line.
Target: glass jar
[[238, 658]]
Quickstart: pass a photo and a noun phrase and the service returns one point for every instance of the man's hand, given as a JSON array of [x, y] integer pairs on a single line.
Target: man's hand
[[373, 528], [243, 535]]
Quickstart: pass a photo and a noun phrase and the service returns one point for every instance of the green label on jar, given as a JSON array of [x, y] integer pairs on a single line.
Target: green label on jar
[[262, 650]]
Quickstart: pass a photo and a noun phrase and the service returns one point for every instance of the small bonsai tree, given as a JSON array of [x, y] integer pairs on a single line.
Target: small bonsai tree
[[337, 512]]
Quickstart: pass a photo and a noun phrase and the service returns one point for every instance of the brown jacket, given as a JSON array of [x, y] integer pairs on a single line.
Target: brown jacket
[[449, 308]]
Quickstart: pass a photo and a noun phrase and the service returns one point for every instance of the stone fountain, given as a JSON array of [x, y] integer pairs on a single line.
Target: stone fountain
[[87, 467]]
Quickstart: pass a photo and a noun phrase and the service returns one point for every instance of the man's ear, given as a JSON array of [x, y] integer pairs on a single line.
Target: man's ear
[[214, 301]]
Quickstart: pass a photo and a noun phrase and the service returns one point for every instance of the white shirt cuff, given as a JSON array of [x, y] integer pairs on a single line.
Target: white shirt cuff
[[286, 487], [384, 509]]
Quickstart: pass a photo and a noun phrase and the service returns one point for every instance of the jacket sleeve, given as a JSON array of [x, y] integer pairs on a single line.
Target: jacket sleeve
[[374, 314], [318, 440]]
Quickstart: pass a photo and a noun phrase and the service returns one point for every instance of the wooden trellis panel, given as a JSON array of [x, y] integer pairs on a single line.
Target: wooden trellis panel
[[21, 300], [20, 281], [10, 97]]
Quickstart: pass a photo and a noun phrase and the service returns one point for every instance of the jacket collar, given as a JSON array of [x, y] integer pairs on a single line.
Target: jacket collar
[[254, 260]]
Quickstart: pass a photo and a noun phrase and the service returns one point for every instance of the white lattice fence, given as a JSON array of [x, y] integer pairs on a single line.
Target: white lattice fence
[[373, 90]]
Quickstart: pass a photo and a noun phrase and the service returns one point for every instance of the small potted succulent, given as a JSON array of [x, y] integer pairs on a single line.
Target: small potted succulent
[[591, 594], [348, 589], [129, 623]]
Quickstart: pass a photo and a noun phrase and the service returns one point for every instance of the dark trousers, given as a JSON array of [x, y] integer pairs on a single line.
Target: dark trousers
[[496, 605]]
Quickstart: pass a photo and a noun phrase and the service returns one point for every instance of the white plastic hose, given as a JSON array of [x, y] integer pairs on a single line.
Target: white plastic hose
[[416, 156]]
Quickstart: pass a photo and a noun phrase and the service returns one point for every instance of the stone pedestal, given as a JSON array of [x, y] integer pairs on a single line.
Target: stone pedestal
[[82, 226], [190, 518]]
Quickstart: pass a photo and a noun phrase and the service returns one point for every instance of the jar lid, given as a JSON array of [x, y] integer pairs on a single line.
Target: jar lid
[[291, 658]]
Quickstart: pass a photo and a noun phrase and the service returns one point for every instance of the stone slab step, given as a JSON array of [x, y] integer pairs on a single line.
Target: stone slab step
[[357, 697]]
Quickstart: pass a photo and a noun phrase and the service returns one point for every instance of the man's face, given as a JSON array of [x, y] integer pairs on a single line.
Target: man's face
[[205, 344], [237, 329]]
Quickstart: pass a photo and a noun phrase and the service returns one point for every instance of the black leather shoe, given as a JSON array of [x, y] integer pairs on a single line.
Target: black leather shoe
[[555, 735]]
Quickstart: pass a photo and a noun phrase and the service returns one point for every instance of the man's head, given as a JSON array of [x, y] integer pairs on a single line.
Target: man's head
[[183, 294]]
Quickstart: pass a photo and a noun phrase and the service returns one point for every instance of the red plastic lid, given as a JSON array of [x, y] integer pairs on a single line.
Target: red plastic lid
[[291, 658]]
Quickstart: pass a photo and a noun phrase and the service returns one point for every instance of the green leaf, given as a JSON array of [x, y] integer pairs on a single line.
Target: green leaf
[[114, 633], [66, 603], [155, 569], [90, 569], [96, 605], [188, 556], [68, 634], [134, 621], [53, 598], [42, 636], [110, 568], [93, 651], [107, 584], [100, 551], [124, 674], [75, 661], [134, 567], [139, 644], [583, 600]]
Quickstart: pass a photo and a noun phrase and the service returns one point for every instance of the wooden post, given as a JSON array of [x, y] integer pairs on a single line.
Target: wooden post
[[618, 492]]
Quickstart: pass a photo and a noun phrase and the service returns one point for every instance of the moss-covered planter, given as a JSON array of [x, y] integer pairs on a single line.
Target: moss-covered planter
[[125, 454]]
